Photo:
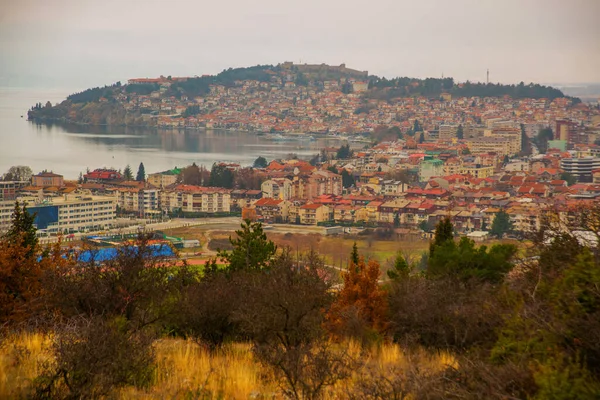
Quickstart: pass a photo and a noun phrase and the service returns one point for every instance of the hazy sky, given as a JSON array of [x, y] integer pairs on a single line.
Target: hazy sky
[[81, 43]]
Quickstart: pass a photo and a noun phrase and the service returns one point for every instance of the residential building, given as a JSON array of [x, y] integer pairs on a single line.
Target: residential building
[[447, 132], [312, 214], [272, 210], [581, 168], [499, 145], [103, 175], [47, 179], [71, 213], [277, 188], [429, 168], [196, 199], [165, 178], [142, 201]]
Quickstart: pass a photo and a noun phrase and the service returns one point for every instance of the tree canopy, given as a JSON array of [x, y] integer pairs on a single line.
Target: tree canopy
[[501, 224], [251, 249], [141, 173]]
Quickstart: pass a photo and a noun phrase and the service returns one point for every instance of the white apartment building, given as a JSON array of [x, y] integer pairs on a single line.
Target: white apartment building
[[6, 210], [73, 213], [277, 188]]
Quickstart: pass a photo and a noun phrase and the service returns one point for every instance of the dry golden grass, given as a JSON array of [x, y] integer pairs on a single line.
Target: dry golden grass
[[185, 370], [21, 359]]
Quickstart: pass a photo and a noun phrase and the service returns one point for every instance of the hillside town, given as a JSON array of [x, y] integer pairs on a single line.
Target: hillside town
[[469, 159], [409, 153]]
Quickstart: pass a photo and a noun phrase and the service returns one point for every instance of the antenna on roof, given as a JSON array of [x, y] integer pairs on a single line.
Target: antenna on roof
[[488, 77]]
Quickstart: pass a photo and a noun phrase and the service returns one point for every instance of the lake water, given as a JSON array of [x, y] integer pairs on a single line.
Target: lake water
[[71, 149]]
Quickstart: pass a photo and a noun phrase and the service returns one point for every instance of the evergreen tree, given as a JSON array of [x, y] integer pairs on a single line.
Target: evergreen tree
[[501, 225], [569, 178], [459, 132], [347, 179], [22, 230], [421, 138], [396, 220], [401, 268], [417, 126], [354, 257], [127, 173], [444, 232], [80, 179], [251, 249], [141, 174], [464, 261], [260, 162], [344, 152], [221, 176]]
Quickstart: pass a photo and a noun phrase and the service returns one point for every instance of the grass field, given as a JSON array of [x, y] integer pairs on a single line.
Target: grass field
[[185, 370], [334, 249]]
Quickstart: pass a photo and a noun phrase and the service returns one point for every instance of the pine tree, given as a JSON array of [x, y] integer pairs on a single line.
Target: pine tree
[[127, 173], [141, 174], [421, 138], [401, 268], [501, 224], [444, 232], [354, 257], [22, 230], [80, 179], [251, 249]]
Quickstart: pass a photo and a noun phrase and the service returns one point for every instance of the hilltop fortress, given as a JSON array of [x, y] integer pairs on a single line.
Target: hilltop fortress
[[323, 69]]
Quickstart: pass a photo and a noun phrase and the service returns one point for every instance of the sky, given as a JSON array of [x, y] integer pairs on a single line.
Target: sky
[[84, 43]]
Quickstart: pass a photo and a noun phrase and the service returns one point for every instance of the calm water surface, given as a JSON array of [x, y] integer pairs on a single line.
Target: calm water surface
[[70, 149]]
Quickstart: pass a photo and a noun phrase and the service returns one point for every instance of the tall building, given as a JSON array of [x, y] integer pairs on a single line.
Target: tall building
[[564, 129], [581, 168], [447, 131]]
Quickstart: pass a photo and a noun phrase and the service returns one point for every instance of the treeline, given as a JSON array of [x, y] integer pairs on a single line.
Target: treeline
[[221, 176], [516, 328], [199, 86], [142, 89], [433, 87], [94, 94]]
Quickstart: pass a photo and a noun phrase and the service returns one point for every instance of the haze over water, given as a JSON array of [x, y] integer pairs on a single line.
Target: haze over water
[[70, 149]]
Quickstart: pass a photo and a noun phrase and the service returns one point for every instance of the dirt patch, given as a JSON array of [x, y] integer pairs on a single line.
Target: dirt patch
[[219, 244]]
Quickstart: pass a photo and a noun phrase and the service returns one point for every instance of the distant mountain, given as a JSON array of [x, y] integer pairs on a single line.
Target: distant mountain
[[585, 91]]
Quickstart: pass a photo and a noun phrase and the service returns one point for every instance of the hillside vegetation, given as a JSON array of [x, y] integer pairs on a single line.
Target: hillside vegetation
[[462, 322]]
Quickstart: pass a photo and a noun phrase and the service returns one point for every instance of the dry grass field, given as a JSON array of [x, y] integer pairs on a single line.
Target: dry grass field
[[185, 370]]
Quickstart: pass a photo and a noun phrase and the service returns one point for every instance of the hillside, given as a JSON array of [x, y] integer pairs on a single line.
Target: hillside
[[245, 91]]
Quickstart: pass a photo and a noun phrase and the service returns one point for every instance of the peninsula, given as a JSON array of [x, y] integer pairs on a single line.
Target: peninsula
[[288, 98]]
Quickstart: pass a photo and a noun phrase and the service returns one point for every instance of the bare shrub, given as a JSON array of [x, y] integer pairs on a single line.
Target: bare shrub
[[444, 315], [94, 356]]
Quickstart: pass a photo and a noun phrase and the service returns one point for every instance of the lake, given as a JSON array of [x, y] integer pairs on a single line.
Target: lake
[[69, 149]]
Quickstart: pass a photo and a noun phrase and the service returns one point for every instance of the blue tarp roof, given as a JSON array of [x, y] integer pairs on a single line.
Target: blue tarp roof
[[110, 253]]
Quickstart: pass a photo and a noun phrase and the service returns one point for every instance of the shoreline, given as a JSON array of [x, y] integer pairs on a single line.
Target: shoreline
[[203, 129]]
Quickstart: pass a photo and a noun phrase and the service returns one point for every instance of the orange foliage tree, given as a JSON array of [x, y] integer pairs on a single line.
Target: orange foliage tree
[[360, 310], [22, 274]]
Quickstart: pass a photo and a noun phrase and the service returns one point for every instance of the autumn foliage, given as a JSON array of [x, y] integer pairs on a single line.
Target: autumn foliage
[[360, 310]]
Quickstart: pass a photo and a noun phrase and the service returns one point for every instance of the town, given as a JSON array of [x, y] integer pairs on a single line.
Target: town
[[518, 162]]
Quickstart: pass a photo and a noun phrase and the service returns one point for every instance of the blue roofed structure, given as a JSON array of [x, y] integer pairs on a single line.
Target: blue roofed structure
[[110, 253]]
